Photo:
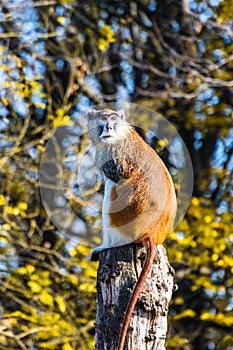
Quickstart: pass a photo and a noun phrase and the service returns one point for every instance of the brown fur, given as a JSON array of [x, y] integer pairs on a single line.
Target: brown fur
[[144, 187], [142, 183], [133, 193]]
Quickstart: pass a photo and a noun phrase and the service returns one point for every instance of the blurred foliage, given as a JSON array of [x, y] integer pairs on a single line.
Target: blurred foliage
[[59, 57]]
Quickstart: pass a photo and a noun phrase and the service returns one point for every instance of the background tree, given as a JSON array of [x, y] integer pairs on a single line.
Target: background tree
[[59, 57]]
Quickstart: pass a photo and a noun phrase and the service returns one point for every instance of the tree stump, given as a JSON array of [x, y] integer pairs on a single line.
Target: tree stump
[[119, 269]]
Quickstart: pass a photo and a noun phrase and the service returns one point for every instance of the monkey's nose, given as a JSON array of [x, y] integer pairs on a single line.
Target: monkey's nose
[[108, 127]]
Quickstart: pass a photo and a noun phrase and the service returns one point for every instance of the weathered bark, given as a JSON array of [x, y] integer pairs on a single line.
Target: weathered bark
[[118, 272]]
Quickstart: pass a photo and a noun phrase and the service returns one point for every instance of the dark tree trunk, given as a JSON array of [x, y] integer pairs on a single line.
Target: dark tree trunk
[[118, 272]]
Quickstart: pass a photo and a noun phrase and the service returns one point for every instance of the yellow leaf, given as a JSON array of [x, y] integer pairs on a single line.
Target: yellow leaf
[[228, 259], [73, 252], [2, 200], [108, 37], [59, 112], [51, 116], [162, 143], [50, 319], [21, 270], [6, 84], [30, 268], [195, 201], [61, 304], [46, 298], [207, 219], [3, 240], [179, 256], [40, 148], [90, 272], [220, 262], [35, 286], [73, 279], [11, 210], [43, 94], [179, 300], [4, 101], [13, 314], [186, 313], [107, 32], [22, 206], [67, 327], [215, 257], [60, 19], [62, 121], [7, 227], [40, 105], [102, 45], [87, 287]]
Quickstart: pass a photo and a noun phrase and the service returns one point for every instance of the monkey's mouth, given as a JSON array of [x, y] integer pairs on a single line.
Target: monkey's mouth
[[108, 139], [108, 135]]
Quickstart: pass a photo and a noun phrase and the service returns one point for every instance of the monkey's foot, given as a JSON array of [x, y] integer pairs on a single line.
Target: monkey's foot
[[95, 253]]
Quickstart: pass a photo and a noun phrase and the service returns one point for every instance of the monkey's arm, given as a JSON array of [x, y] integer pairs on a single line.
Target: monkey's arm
[[118, 168]]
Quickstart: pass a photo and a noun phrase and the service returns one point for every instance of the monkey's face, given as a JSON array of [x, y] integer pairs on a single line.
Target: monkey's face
[[108, 126]]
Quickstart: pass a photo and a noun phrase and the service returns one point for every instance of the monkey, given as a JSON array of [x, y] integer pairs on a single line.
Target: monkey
[[139, 203]]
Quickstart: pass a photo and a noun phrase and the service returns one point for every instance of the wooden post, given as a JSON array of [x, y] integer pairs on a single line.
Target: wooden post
[[118, 272]]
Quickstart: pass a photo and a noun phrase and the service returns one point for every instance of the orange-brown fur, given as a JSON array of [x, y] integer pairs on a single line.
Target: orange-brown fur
[[141, 182], [122, 193], [140, 194]]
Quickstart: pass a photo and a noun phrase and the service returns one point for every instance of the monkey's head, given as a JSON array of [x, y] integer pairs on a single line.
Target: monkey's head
[[107, 126]]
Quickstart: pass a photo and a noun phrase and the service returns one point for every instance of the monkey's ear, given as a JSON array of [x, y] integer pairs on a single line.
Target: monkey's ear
[[121, 113], [91, 113]]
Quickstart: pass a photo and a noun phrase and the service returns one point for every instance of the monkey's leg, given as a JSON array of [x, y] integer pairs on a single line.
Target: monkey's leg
[[111, 238]]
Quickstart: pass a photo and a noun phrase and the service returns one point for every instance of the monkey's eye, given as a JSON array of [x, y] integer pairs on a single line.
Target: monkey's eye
[[113, 118], [102, 118]]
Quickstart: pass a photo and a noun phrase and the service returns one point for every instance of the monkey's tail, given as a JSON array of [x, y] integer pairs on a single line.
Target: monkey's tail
[[150, 255]]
